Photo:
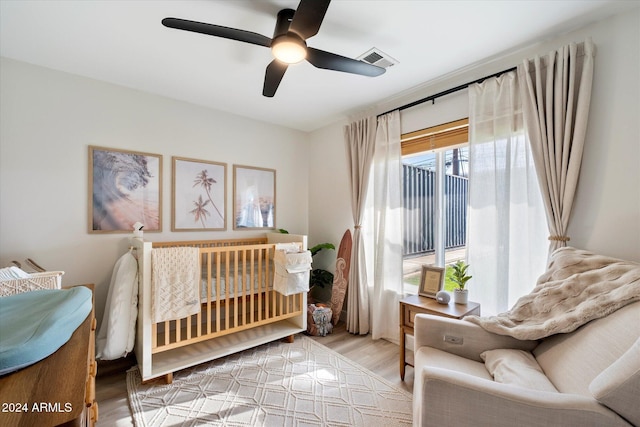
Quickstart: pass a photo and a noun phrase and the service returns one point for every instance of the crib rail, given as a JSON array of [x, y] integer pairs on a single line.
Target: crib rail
[[212, 243], [237, 294]]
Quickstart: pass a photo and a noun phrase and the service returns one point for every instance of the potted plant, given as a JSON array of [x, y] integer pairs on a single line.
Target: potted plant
[[460, 278], [320, 277]]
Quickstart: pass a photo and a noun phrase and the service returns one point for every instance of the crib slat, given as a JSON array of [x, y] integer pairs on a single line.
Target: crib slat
[[268, 304], [283, 304], [274, 303], [207, 302], [236, 285], [242, 318], [207, 258], [218, 291], [245, 276], [252, 284], [226, 292], [259, 285], [167, 332]]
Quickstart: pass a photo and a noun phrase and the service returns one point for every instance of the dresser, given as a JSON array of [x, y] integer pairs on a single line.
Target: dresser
[[414, 304], [58, 390]]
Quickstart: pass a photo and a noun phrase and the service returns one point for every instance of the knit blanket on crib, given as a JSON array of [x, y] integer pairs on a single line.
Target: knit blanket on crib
[[577, 287], [175, 277]]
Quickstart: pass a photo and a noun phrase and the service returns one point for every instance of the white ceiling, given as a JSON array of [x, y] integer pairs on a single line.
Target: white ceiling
[[123, 42]]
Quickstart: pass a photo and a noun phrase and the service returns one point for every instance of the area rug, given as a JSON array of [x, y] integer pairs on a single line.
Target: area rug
[[278, 384]]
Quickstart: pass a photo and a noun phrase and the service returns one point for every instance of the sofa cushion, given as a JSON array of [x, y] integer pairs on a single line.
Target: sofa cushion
[[516, 367], [618, 386], [432, 357], [572, 361]]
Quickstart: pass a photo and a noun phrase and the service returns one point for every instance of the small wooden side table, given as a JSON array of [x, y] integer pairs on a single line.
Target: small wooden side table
[[414, 304]]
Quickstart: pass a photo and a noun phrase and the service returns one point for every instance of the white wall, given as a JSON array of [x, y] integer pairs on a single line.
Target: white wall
[[329, 192], [607, 207], [48, 121], [606, 213]]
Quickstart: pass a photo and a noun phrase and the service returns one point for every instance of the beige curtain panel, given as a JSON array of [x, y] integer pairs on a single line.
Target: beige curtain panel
[[360, 140], [387, 229], [556, 94]]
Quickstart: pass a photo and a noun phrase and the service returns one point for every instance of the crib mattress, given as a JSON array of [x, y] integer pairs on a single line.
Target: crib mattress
[[33, 325]]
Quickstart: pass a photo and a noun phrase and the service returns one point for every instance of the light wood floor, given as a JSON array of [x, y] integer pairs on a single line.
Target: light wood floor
[[380, 356]]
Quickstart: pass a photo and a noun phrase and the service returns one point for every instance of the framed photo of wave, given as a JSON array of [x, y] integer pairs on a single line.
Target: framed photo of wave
[[254, 198], [199, 194], [125, 187]]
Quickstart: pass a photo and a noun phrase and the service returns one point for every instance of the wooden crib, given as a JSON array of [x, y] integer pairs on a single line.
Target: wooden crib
[[238, 307]]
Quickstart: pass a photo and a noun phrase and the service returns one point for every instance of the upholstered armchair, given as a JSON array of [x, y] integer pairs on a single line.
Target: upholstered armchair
[[590, 376]]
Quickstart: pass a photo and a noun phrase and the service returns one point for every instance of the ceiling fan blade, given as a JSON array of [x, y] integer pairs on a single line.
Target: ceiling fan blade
[[218, 31], [273, 77], [331, 61], [308, 17]]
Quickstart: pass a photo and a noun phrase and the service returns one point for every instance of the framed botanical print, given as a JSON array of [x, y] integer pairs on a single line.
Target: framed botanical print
[[125, 187], [431, 281], [199, 195], [254, 198]]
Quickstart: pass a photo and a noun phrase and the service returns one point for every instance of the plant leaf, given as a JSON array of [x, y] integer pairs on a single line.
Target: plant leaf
[[317, 248]]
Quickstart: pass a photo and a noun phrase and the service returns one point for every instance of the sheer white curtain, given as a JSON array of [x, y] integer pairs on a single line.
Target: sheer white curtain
[[360, 139], [506, 223], [556, 94], [386, 228]]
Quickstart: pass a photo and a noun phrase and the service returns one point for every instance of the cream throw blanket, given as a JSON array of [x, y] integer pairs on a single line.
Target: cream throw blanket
[[577, 287], [175, 277]]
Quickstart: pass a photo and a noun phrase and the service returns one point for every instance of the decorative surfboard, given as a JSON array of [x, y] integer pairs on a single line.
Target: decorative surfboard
[[341, 276]]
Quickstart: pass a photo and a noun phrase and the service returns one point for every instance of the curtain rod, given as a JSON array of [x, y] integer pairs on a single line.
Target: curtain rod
[[447, 92]]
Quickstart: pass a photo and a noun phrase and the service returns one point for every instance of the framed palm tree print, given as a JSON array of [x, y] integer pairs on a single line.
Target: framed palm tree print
[[125, 187], [254, 198], [199, 194]]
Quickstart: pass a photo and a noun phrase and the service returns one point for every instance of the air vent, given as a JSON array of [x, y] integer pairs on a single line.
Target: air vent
[[375, 56]]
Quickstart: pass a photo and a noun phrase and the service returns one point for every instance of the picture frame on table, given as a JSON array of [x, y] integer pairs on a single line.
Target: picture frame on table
[[198, 195], [254, 198], [431, 281], [125, 188]]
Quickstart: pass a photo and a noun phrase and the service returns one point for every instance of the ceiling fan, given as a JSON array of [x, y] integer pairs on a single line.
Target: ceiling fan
[[288, 45]]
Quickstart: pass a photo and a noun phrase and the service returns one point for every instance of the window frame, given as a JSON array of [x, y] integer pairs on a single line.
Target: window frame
[[437, 139]]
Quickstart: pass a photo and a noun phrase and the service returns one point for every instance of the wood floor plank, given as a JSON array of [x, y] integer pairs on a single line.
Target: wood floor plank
[[379, 356]]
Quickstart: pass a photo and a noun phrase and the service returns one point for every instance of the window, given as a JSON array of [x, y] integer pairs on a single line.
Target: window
[[435, 193]]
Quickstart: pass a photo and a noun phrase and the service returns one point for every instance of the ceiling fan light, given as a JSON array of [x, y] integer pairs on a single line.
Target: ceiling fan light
[[289, 49]]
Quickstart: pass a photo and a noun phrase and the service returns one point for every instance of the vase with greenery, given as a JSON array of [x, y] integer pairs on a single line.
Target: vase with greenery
[[460, 277]]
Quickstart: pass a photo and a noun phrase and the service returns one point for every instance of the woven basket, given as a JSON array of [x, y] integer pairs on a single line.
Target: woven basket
[[37, 281]]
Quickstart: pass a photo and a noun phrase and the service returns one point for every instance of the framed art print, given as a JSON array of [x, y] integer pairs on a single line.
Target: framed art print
[[199, 194], [125, 187], [254, 197], [431, 281]]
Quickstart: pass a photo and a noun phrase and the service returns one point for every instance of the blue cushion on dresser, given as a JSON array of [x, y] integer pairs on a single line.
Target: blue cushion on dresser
[[33, 325]]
